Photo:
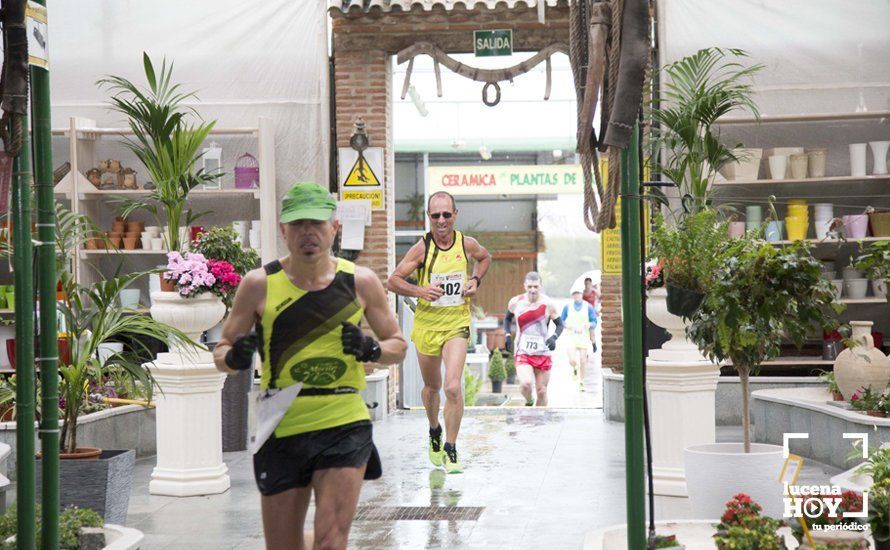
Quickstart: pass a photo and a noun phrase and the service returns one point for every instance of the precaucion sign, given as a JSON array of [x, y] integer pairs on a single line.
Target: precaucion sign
[[361, 175], [506, 180], [493, 43], [38, 35]]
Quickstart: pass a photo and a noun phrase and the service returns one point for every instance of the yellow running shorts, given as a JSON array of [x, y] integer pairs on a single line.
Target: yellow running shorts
[[430, 342]]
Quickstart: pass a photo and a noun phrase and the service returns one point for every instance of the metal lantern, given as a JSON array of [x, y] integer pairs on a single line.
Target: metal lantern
[[247, 172]]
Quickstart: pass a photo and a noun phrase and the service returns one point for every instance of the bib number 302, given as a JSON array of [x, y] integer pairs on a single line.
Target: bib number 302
[[452, 284]]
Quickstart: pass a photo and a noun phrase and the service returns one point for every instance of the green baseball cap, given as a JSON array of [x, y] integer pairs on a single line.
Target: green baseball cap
[[307, 201]]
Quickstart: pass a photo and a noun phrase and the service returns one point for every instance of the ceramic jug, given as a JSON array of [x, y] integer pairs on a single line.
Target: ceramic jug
[[863, 365]]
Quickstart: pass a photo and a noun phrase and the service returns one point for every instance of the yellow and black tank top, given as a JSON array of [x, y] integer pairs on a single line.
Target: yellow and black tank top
[[300, 341], [447, 267]]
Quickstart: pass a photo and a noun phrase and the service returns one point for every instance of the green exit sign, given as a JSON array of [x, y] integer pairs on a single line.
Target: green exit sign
[[492, 43]]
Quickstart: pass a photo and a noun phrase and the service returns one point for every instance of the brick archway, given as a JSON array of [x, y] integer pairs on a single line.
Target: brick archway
[[365, 36]]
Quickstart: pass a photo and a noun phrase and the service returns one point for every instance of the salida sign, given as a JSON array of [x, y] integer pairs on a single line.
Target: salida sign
[[492, 43], [506, 180]]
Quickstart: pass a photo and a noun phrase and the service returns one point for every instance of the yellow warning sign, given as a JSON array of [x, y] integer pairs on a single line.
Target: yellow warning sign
[[361, 175], [376, 197]]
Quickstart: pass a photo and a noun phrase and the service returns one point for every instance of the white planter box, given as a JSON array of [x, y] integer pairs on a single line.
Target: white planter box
[[376, 392]]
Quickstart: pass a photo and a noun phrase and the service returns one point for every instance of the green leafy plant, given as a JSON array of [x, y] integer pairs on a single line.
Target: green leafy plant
[[828, 377], [222, 243], [759, 297], [743, 528], [696, 91], [667, 541], [472, 385], [71, 521], [416, 207], [688, 251], [864, 399], [875, 262], [165, 142], [496, 370], [510, 366], [877, 465], [879, 511]]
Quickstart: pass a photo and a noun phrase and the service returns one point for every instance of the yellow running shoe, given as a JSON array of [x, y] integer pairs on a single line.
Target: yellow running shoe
[[449, 460], [435, 449]]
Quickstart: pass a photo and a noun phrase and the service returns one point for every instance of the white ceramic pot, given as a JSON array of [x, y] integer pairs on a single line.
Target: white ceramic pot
[[190, 315], [838, 287], [718, 471], [129, 297], [107, 349], [855, 289], [864, 365], [678, 347], [851, 272], [857, 159], [777, 166], [879, 288], [879, 154]]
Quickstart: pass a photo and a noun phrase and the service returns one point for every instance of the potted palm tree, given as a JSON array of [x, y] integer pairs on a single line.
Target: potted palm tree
[[698, 90], [760, 297], [166, 143]]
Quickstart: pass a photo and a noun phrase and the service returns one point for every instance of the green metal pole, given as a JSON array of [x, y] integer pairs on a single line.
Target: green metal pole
[[632, 313], [46, 282], [24, 342]]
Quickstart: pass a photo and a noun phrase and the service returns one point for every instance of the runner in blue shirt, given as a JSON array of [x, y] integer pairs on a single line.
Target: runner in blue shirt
[[580, 321]]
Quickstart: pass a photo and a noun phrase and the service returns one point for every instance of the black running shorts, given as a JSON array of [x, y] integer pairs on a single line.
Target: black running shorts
[[288, 462]]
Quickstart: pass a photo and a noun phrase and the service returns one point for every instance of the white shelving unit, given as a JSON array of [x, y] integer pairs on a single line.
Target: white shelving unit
[[849, 193], [86, 141]]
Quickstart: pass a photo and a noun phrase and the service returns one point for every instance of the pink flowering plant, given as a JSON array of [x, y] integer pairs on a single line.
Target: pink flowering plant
[[193, 274]]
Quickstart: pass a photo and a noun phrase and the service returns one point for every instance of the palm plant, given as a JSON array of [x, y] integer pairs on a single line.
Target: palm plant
[[698, 90], [165, 142], [93, 316]]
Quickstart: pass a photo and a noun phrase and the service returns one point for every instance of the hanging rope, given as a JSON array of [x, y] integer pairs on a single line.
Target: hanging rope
[[606, 217]]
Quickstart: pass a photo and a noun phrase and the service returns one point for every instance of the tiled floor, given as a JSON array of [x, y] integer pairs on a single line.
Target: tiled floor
[[544, 477]]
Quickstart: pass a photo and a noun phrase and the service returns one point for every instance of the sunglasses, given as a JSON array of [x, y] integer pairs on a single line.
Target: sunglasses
[[437, 215]]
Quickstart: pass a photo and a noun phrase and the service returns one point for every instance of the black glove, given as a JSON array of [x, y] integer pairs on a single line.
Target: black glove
[[594, 347], [364, 348], [551, 343], [508, 342], [240, 355]]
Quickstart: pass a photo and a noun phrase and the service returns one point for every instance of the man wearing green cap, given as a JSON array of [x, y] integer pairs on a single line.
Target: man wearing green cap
[[301, 313]]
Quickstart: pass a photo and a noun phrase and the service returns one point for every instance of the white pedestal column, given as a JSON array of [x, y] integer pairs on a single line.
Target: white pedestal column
[[681, 413], [189, 426]]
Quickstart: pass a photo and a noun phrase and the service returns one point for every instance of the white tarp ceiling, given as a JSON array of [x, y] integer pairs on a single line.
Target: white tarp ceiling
[[244, 59], [818, 54]]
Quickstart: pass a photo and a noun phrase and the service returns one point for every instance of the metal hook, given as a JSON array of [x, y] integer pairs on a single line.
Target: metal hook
[[497, 97]]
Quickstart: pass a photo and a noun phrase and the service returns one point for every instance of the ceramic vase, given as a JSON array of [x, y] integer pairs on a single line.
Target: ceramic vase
[[879, 153], [857, 159], [190, 315], [863, 365]]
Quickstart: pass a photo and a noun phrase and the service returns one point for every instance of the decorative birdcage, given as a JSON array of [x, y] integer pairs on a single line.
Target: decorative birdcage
[[247, 172]]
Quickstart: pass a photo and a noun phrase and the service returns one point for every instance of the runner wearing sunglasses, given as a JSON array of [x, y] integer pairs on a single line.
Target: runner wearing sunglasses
[[442, 319]]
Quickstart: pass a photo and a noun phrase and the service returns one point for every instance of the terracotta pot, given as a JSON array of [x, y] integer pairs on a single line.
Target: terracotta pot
[[115, 234], [133, 234], [167, 286], [863, 365], [879, 414], [880, 224], [138, 227], [118, 227], [837, 396], [114, 242], [91, 244], [82, 453], [130, 243], [99, 244]]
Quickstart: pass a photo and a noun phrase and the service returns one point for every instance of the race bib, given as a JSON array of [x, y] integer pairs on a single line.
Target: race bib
[[577, 331], [453, 286], [530, 344]]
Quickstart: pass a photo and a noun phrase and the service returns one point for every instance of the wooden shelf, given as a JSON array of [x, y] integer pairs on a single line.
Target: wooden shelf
[[817, 117], [91, 133], [869, 300], [96, 194], [106, 252], [836, 242], [815, 181]]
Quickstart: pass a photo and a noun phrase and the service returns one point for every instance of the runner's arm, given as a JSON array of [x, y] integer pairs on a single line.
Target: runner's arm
[[557, 320], [482, 261], [508, 325], [246, 309], [380, 316], [591, 314], [398, 281]]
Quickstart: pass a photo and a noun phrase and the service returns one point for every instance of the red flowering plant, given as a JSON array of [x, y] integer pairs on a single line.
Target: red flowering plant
[[851, 501], [739, 507], [742, 526], [864, 399], [654, 276], [193, 274]]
